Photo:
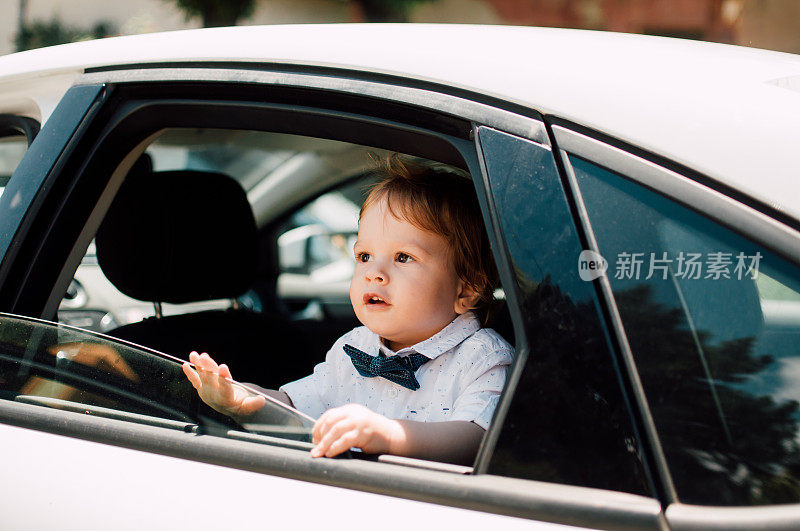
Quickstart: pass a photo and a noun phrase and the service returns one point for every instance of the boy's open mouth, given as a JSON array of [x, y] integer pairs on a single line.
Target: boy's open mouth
[[371, 299]]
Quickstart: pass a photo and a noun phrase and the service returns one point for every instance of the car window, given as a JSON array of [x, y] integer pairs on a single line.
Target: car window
[[713, 321], [568, 421], [65, 368], [279, 283]]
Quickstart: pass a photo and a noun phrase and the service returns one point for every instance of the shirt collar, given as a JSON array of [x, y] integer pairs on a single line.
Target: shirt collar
[[445, 339]]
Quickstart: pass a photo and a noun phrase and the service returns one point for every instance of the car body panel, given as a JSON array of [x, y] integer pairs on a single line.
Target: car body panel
[[695, 110], [668, 96], [181, 492]]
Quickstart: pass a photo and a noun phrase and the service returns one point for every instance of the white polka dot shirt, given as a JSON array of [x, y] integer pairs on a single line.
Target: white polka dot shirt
[[462, 381]]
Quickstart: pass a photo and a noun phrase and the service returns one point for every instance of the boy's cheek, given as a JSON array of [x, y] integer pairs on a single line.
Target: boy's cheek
[[355, 297]]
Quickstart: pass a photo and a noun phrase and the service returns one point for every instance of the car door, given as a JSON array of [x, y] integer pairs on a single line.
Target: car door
[[564, 448], [67, 399], [704, 291], [36, 171], [566, 417]]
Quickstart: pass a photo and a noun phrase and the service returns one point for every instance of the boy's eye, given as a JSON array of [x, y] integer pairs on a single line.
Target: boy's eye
[[403, 258], [362, 257]]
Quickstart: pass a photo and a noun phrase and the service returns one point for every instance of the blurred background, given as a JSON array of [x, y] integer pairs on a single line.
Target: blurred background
[[771, 24]]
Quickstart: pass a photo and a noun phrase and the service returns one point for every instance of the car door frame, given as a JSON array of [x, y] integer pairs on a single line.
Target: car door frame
[[528, 499], [742, 214]]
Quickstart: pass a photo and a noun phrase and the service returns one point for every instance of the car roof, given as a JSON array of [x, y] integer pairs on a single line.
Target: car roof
[[729, 112]]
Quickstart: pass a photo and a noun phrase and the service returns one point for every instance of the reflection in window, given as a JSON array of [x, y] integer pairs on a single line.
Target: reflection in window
[[568, 422], [713, 321], [69, 369]]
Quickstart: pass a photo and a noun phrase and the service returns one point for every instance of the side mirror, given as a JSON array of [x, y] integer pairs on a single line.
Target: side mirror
[[304, 249]]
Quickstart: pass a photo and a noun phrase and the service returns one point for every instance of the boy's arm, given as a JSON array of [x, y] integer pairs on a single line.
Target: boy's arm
[[354, 425], [454, 441]]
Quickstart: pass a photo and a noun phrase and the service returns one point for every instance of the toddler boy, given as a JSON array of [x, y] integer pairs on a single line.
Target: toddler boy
[[421, 378]]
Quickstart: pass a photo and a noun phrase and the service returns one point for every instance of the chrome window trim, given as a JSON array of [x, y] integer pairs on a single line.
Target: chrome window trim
[[683, 517], [510, 122], [707, 201]]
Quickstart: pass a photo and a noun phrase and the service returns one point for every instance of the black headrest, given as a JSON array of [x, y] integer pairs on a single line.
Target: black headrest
[[178, 236]]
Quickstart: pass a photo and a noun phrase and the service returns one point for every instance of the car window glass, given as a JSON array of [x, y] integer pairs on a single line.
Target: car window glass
[[12, 149], [567, 422], [713, 321], [69, 369]]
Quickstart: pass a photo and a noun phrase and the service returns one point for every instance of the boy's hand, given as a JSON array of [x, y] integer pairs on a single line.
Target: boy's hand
[[213, 384], [354, 425]]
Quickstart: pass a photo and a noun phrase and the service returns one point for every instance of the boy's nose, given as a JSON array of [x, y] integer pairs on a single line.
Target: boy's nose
[[375, 274]]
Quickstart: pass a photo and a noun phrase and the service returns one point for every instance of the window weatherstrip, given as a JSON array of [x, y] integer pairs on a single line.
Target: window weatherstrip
[[741, 218], [663, 479], [439, 102]]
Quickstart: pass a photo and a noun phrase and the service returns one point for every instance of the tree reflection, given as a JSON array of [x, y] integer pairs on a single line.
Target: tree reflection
[[568, 422], [739, 449]]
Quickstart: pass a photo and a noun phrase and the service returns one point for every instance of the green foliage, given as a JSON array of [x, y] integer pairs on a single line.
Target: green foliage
[[216, 13], [387, 10], [41, 33]]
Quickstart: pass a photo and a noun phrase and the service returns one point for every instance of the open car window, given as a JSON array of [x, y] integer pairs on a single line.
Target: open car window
[[65, 368], [277, 172]]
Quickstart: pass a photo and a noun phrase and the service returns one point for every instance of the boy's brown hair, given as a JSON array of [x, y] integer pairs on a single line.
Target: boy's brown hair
[[443, 202]]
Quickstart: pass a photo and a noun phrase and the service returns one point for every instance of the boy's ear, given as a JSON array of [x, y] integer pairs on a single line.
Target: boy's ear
[[467, 298]]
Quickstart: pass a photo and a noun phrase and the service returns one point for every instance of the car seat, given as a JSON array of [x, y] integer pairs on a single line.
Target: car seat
[[189, 236]]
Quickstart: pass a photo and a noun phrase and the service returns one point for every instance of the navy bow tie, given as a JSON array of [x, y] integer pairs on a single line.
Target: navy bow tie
[[397, 369]]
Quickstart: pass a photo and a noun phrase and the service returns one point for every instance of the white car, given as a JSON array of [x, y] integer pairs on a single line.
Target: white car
[[642, 202]]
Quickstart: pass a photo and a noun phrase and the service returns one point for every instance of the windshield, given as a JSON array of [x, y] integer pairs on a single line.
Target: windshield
[[57, 366]]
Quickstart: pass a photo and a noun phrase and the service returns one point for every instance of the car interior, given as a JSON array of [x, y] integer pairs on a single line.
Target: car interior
[[236, 243], [198, 242], [199, 236]]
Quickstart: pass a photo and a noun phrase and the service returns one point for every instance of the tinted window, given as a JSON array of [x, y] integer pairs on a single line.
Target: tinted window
[[714, 322], [568, 422], [64, 368]]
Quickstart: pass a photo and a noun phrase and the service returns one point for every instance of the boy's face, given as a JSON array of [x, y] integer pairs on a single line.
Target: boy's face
[[405, 288]]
